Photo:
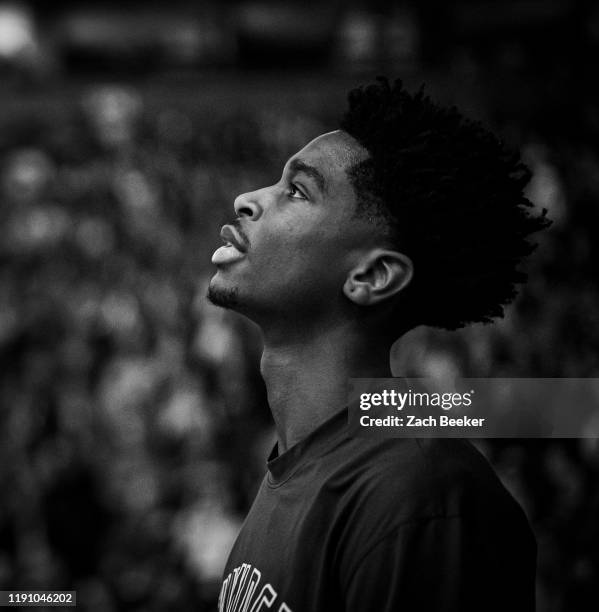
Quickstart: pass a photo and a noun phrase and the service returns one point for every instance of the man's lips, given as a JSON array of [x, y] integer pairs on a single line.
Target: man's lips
[[235, 247], [231, 235]]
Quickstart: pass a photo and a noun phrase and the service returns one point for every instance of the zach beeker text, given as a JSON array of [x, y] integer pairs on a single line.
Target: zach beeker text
[[413, 421]]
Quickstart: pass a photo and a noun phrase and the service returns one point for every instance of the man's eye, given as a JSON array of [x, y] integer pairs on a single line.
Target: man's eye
[[295, 193]]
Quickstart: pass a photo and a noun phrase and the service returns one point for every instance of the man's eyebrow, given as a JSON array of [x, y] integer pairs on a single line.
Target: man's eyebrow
[[297, 165]]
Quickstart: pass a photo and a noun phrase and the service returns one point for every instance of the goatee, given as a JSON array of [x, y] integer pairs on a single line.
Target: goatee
[[225, 298]]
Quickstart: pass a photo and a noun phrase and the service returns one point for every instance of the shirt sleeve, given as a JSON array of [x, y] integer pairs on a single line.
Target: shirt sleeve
[[444, 565]]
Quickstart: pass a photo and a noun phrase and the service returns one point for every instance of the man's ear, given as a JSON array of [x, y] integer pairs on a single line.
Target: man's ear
[[379, 275]]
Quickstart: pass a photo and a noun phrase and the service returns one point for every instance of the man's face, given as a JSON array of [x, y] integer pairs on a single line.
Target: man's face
[[293, 243]]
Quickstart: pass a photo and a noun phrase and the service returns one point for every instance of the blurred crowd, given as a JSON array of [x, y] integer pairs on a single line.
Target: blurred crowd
[[133, 422]]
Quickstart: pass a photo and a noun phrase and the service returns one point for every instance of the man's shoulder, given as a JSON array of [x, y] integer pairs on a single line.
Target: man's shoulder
[[413, 479], [433, 512], [440, 486]]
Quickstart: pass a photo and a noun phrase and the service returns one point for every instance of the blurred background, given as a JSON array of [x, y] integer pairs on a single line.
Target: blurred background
[[133, 421]]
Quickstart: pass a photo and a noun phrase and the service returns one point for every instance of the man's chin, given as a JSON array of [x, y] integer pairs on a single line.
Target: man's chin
[[225, 297]]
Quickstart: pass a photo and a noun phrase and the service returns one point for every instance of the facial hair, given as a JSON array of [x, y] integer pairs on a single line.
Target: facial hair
[[225, 298]]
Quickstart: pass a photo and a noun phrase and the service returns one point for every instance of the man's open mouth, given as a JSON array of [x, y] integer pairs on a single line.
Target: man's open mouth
[[232, 237], [234, 249]]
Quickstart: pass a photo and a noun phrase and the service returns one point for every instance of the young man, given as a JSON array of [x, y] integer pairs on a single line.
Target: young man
[[408, 215]]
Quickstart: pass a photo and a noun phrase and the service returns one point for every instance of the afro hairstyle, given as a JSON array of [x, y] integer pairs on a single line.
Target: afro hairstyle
[[451, 197]]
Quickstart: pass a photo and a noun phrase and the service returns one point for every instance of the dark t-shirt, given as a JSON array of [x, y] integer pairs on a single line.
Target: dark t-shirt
[[352, 524]]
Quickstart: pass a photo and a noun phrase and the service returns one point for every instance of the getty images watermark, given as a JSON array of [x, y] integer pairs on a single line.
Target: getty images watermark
[[474, 407]]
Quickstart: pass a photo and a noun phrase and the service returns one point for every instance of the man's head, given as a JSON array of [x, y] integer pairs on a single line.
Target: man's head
[[408, 215], [302, 246]]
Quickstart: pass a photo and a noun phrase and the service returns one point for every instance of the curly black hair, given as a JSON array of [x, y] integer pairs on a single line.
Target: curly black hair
[[451, 195]]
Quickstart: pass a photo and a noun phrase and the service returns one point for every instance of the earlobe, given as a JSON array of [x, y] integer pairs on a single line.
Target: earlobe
[[356, 291]]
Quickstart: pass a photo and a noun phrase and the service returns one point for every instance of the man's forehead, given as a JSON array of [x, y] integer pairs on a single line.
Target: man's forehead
[[336, 148], [329, 155]]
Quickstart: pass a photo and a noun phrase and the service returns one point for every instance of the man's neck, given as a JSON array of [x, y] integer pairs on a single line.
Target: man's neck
[[306, 376]]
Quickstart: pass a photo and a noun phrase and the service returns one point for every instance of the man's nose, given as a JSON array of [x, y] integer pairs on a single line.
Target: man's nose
[[248, 205]]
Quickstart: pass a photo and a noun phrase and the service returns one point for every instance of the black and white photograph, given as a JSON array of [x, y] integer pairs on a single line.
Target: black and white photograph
[[299, 306]]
